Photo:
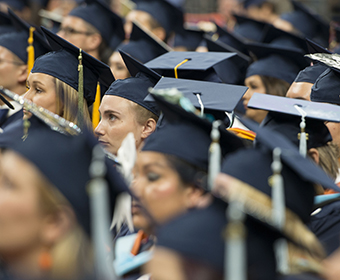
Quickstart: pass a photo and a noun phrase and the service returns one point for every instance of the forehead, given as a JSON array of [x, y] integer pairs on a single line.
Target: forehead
[[116, 103], [74, 22], [5, 53]]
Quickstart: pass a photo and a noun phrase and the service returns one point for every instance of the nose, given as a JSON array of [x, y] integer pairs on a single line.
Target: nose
[[28, 95], [99, 130], [61, 33], [248, 94]]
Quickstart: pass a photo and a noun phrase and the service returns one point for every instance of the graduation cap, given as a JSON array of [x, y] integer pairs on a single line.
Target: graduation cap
[[210, 66], [99, 15], [51, 20], [249, 3], [308, 22], [65, 162], [179, 135], [190, 37], [17, 42], [326, 87], [314, 47], [310, 74], [143, 45], [6, 25], [299, 173], [135, 67], [280, 37], [63, 63], [274, 61], [210, 98], [18, 5], [249, 28], [135, 89], [166, 13]]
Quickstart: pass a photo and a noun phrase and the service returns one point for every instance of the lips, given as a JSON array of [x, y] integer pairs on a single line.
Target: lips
[[135, 208]]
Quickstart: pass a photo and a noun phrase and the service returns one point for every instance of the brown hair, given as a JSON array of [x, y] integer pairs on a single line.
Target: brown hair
[[275, 86], [142, 114]]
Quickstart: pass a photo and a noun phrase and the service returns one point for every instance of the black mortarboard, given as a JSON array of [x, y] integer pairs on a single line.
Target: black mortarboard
[[143, 45], [308, 22], [135, 89], [249, 28], [215, 98], [167, 14], [278, 62], [299, 173], [208, 66], [6, 25], [65, 162], [318, 111], [314, 47], [190, 38], [134, 67], [249, 3], [16, 4], [187, 136], [239, 68], [326, 87], [282, 38], [311, 73], [17, 42], [99, 15], [63, 63], [230, 39]]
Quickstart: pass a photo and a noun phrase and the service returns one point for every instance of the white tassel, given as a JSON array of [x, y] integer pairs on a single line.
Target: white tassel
[[214, 154], [235, 246], [278, 211], [126, 156], [303, 136], [100, 221], [198, 95]]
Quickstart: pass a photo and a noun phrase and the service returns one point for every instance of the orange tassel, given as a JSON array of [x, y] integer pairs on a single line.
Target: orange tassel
[[30, 50], [45, 261], [95, 109], [136, 246]]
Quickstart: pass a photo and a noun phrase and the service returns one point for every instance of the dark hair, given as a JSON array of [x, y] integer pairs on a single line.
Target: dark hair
[[188, 173], [275, 86]]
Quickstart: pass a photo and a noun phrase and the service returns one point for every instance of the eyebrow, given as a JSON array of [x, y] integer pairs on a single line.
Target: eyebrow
[[154, 164], [108, 111], [37, 82]]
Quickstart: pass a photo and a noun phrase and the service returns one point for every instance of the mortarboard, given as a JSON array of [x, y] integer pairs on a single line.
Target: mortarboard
[[190, 38], [278, 62], [310, 74], [65, 162], [6, 25], [167, 14], [18, 5], [299, 173], [308, 22], [190, 127], [143, 45], [318, 111], [239, 68], [314, 47], [99, 15], [65, 57], [210, 66], [326, 87], [17, 42], [213, 98], [134, 67], [249, 28], [135, 89]]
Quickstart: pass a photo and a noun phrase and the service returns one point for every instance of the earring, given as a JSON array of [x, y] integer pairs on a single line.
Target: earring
[[45, 260]]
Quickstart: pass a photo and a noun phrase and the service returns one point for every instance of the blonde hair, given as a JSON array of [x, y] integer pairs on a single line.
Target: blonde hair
[[142, 114], [72, 255], [328, 159], [67, 103]]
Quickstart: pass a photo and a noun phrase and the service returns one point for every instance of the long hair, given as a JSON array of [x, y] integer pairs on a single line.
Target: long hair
[[67, 103], [275, 86]]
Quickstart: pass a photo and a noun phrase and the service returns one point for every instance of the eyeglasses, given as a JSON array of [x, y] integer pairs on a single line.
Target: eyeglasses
[[71, 31], [11, 61]]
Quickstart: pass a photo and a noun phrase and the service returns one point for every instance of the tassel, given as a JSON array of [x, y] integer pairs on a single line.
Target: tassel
[[178, 65], [80, 116], [45, 261], [235, 245], [26, 125], [198, 95], [30, 50], [302, 136], [278, 211], [95, 108], [214, 154]]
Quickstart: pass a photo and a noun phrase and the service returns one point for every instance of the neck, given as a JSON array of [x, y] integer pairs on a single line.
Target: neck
[[24, 265]]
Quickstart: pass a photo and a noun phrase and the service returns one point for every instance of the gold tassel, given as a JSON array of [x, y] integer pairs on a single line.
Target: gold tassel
[[95, 108], [178, 65], [30, 50], [80, 116]]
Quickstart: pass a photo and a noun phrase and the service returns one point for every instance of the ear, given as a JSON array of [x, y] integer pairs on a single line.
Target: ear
[[193, 196], [159, 32], [22, 73], [148, 128], [314, 155], [94, 41], [56, 225]]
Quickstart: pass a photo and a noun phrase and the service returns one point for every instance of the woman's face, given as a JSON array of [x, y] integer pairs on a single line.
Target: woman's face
[[118, 67], [159, 190], [255, 84], [41, 91], [21, 220]]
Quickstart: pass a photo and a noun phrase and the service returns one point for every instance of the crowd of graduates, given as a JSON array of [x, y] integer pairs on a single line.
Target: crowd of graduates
[[141, 143]]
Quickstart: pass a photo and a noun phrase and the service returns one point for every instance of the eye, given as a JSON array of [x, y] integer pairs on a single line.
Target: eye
[[27, 87], [112, 117], [152, 176], [38, 90]]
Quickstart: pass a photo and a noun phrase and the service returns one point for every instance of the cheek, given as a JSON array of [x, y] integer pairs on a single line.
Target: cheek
[[19, 222], [46, 100]]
